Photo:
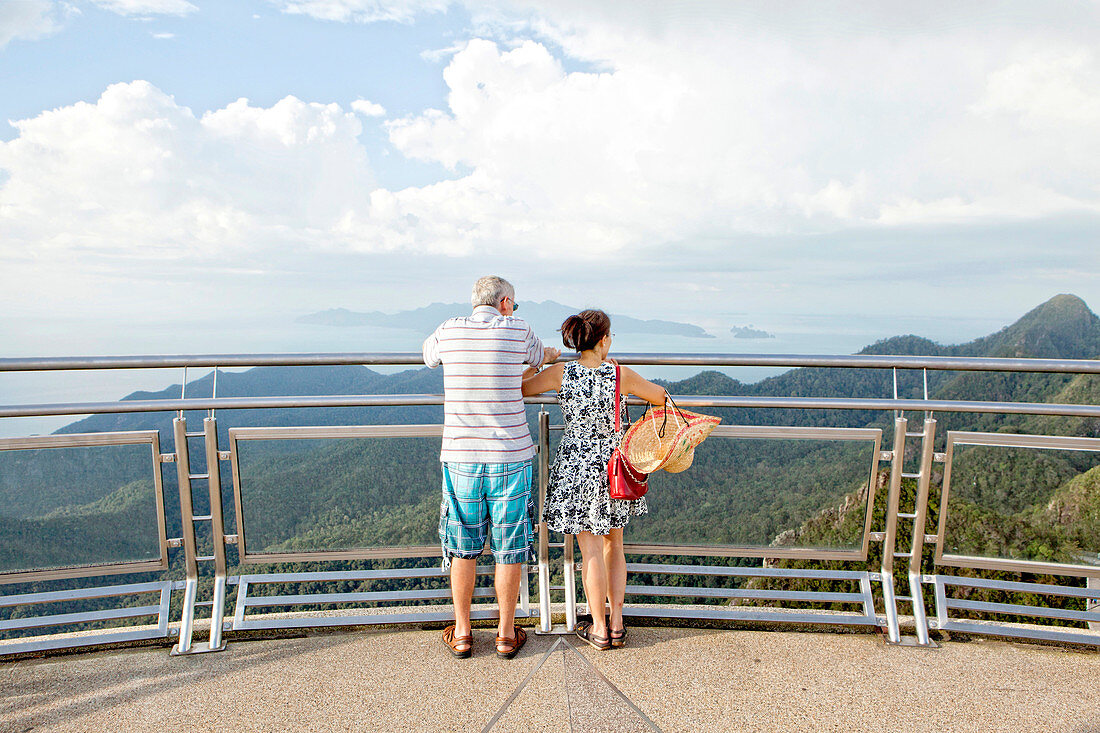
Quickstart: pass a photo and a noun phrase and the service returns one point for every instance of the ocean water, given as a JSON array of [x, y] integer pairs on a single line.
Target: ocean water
[[793, 334]]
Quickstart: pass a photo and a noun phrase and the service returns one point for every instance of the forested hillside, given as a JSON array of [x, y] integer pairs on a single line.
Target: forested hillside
[[348, 493]]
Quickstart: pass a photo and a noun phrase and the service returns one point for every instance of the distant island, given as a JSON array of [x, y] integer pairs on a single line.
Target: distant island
[[545, 317], [748, 332]]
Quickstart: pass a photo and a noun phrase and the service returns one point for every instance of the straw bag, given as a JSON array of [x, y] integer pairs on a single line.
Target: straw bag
[[624, 481], [665, 438]]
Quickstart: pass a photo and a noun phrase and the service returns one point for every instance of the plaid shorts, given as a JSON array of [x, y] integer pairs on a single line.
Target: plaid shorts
[[478, 497]]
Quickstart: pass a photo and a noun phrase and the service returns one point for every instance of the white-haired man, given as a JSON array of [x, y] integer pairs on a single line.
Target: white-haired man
[[486, 456]]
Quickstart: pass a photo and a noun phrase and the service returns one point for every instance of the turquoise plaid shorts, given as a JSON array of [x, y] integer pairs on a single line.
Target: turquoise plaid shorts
[[487, 500]]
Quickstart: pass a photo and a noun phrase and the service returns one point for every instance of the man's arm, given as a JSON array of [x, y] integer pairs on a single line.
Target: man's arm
[[431, 350], [536, 352]]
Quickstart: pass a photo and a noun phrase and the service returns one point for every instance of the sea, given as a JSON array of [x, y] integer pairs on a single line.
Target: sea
[[46, 337]]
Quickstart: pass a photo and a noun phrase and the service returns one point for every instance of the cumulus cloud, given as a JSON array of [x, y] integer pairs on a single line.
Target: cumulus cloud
[[135, 174], [758, 118], [26, 19], [587, 131], [147, 7]]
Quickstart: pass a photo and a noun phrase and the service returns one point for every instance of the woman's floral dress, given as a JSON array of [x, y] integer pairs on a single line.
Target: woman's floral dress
[[577, 498]]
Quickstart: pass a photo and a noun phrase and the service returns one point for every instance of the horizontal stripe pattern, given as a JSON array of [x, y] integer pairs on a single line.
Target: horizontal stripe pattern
[[483, 357]]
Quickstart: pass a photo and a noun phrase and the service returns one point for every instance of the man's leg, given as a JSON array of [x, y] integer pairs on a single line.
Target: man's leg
[[463, 575], [506, 582], [510, 510], [462, 529]]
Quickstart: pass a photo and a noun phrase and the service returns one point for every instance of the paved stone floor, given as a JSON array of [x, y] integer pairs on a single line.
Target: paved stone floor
[[667, 679]]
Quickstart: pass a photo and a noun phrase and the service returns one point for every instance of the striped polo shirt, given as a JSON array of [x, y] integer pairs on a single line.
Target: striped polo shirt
[[483, 356]]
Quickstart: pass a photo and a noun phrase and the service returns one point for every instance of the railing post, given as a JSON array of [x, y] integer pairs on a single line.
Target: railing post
[[187, 522], [217, 527], [190, 545], [545, 624], [1093, 604], [916, 593], [893, 632]]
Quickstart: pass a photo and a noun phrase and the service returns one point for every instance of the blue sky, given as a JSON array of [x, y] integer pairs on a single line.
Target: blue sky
[[712, 162]]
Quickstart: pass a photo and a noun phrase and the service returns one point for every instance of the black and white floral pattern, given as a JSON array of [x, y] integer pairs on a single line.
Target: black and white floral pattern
[[577, 498]]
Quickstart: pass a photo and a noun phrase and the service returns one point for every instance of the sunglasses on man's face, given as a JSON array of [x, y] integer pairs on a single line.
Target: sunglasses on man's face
[[515, 305]]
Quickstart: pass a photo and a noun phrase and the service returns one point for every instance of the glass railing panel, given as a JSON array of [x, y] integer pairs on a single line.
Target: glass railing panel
[[79, 502], [787, 493], [1023, 502], [306, 495]]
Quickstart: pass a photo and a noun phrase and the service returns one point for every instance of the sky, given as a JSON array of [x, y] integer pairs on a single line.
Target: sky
[[167, 162]]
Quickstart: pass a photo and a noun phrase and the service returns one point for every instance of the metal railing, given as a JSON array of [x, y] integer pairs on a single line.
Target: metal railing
[[814, 606]]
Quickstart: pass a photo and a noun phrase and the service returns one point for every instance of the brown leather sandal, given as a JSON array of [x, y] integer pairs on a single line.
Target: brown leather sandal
[[618, 637], [584, 631], [453, 642], [511, 646]]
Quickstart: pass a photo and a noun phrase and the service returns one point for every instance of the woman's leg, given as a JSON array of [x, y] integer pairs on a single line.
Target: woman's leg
[[615, 562], [594, 578]]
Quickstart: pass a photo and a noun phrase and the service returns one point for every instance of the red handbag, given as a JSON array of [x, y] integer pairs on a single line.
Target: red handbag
[[624, 481]]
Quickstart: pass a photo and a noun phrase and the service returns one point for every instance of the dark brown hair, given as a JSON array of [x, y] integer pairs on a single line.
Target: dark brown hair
[[584, 330]]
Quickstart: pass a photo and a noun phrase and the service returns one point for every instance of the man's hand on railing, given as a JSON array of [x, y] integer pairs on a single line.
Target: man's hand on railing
[[549, 356]]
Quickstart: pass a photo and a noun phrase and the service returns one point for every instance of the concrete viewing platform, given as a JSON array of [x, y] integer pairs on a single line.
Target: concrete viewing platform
[[667, 679]]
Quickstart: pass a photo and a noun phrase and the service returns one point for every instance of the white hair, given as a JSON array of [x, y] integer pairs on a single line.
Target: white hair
[[490, 290]]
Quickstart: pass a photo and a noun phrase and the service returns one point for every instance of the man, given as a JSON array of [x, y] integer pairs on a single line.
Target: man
[[486, 456]]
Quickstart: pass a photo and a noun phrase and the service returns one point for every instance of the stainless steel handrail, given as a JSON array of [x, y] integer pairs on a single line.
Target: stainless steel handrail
[[874, 361], [214, 454], [813, 403]]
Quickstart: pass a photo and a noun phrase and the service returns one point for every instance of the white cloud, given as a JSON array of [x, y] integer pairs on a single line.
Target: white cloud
[[362, 11], [435, 55], [163, 36], [705, 122], [136, 175], [1046, 88], [717, 143], [147, 7], [26, 20], [368, 109]]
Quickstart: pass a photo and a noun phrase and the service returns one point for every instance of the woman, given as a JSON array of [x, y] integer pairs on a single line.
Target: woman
[[577, 499]]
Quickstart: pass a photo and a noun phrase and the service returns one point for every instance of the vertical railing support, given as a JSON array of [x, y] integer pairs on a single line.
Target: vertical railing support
[[190, 544], [545, 625], [916, 593], [187, 521], [893, 631], [217, 526], [1093, 604]]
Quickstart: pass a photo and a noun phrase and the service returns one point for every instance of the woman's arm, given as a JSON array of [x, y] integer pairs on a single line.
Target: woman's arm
[[633, 383], [544, 381]]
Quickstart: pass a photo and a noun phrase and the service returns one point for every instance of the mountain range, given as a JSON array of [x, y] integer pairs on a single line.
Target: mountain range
[[344, 493]]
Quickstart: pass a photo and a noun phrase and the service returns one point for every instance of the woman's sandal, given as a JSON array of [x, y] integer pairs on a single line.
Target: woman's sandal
[[584, 631], [511, 646], [618, 638], [453, 642]]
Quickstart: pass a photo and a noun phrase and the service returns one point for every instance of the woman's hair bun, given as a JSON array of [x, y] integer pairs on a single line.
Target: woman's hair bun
[[584, 330]]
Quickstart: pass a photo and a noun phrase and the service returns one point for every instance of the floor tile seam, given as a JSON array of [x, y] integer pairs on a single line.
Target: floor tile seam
[[519, 688], [599, 675], [565, 688]]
